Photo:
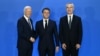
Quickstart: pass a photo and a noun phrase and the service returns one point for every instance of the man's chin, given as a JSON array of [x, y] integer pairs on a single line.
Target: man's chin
[[46, 17]]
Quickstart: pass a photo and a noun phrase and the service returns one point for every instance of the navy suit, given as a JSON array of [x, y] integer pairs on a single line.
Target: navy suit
[[70, 36], [24, 45], [46, 38]]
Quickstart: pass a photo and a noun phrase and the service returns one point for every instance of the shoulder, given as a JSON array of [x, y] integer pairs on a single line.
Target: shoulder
[[63, 17], [52, 21], [21, 19], [39, 22], [77, 17]]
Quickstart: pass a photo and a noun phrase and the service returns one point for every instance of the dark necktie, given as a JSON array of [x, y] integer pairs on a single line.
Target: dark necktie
[[70, 22], [29, 22], [46, 24]]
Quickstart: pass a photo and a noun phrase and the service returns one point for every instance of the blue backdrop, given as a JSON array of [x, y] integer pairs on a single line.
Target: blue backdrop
[[12, 10]]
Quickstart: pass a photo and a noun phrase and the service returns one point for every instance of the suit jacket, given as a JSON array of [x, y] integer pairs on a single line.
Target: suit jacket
[[46, 35], [24, 33], [70, 36]]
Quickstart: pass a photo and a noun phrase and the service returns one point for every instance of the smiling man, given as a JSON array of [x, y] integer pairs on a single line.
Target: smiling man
[[46, 30]]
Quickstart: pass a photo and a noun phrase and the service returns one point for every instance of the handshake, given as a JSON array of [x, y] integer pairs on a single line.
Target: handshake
[[32, 39]]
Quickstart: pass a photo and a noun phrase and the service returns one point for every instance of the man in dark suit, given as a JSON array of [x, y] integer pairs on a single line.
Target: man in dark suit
[[70, 31], [26, 34], [46, 29]]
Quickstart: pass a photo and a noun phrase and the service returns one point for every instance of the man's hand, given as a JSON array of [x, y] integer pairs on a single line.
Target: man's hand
[[57, 48], [64, 46], [77, 46], [32, 39]]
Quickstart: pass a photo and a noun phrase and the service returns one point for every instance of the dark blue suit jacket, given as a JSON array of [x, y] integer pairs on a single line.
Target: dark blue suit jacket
[[46, 36], [24, 33], [70, 36]]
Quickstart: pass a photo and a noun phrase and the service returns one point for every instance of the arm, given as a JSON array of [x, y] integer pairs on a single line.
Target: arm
[[80, 32], [61, 31], [56, 34], [37, 30], [63, 44], [33, 31], [33, 35]]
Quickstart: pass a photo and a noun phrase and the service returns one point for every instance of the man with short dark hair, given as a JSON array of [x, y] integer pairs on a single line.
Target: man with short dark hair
[[46, 30]]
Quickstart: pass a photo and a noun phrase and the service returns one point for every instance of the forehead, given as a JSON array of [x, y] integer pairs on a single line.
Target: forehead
[[28, 9], [46, 10]]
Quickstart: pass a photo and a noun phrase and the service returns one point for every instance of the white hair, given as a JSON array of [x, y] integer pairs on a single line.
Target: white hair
[[27, 7], [69, 3]]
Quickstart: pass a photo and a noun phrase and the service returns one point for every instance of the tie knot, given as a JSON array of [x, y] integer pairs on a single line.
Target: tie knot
[[69, 16], [46, 21], [28, 19]]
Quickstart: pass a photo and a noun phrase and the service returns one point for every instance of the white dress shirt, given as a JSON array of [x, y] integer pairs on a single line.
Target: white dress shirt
[[68, 16], [45, 22]]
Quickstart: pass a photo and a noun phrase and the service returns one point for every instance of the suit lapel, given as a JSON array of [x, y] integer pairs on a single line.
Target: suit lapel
[[42, 25], [66, 20], [31, 23], [73, 21], [27, 23], [49, 24]]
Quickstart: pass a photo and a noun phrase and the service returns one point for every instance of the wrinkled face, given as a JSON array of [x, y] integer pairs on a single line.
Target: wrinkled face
[[69, 8], [28, 12], [46, 14]]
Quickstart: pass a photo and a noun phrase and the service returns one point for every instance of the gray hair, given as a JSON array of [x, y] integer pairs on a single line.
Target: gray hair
[[70, 3], [27, 7]]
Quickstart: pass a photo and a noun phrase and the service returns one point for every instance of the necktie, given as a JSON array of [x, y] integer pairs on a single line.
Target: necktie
[[70, 22], [45, 24], [29, 22]]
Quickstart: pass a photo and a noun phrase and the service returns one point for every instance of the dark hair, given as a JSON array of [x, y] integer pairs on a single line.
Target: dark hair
[[45, 9]]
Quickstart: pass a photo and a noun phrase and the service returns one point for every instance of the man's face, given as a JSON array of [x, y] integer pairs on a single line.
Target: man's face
[[69, 8], [28, 12], [46, 14]]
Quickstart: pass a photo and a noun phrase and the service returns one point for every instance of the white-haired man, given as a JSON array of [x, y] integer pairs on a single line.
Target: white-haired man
[[26, 33], [70, 32]]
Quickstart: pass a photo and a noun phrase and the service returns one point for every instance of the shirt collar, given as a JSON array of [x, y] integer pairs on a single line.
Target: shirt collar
[[45, 19], [26, 18], [70, 15]]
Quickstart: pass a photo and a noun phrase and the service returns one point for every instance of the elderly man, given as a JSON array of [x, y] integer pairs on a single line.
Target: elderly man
[[26, 33], [70, 28]]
